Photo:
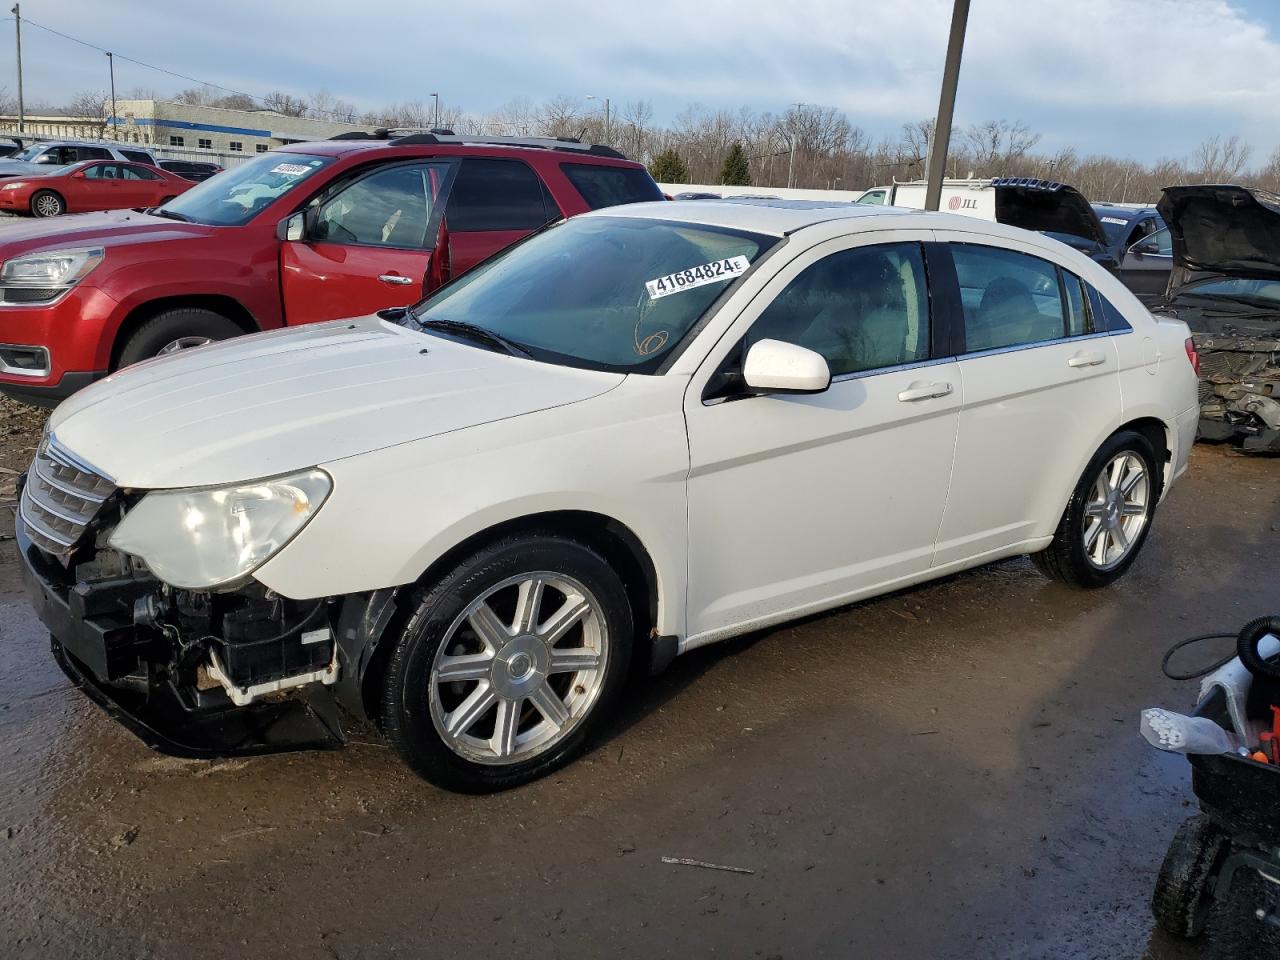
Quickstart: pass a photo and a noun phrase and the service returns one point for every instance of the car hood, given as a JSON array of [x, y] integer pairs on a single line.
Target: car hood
[[273, 403], [1222, 230], [1047, 207], [111, 228]]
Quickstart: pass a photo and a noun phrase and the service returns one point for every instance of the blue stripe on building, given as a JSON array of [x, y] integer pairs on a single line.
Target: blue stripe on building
[[188, 125]]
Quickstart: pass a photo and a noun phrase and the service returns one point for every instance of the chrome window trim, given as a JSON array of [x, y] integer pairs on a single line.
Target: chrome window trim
[[23, 371], [1019, 347], [896, 368]]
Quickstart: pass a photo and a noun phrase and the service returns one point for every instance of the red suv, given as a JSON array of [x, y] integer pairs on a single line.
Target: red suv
[[308, 232]]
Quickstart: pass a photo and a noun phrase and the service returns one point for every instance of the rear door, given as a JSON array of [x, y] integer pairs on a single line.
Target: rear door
[[141, 186], [493, 204], [367, 246], [1041, 384]]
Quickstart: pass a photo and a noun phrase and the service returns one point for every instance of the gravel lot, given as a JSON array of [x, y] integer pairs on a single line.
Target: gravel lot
[[951, 771]]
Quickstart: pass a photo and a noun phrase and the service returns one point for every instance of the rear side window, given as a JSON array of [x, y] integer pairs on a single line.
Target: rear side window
[[137, 156], [133, 172], [93, 153], [1106, 318], [496, 195], [862, 309], [602, 186], [1010, 299]]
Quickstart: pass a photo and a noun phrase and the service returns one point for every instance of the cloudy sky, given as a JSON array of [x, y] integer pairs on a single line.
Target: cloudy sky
[[1141, 78]]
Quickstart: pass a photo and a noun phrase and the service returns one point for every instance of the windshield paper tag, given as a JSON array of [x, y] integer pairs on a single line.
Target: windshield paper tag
[[291, 169], [1116, 220], [698, 276]]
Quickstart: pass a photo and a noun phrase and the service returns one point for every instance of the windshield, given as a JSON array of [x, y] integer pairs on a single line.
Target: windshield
[[234, 196], [30, 153], [608, 293], [1263, 293]]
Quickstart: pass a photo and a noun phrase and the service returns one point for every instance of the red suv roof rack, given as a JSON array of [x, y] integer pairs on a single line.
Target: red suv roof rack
[[441, 136]]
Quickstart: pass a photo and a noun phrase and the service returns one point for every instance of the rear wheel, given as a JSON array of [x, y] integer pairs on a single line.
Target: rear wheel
[[175, 330], [508, 664], [1108, 516], [1182, 900], [46, 203]]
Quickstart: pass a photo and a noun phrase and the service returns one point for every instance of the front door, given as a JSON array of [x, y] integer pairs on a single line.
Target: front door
[[1146, 265], [1041, 385], [367, 247], [797, 503]]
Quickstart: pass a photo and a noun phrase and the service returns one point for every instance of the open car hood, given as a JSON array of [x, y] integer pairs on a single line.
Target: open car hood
[[1222, 229], [1046, 207]]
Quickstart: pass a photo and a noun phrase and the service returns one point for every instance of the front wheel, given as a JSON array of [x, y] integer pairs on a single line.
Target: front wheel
[[1108, 516], [179, 329], [508, 663], [46, 203]]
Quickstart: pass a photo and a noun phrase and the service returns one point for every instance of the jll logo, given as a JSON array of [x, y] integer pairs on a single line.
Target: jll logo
[[961, 203]]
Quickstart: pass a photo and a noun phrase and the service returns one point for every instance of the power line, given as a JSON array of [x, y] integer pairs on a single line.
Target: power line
[[344, 117]]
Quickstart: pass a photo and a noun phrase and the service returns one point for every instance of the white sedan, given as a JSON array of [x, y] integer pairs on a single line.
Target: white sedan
[[636, 432]]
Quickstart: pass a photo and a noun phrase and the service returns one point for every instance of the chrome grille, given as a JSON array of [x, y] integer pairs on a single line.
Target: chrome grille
[[61, 496]]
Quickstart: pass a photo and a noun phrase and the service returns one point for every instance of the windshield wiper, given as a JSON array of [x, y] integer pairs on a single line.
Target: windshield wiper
[[169, 214], [477, 334]]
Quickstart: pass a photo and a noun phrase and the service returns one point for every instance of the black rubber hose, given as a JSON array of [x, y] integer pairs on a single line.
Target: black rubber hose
[[1247, 646]]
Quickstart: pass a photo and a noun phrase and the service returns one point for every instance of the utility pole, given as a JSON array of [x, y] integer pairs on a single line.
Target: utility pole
[[115, 129], [937, 163], [17, 26], [436, 122], [607, 124]]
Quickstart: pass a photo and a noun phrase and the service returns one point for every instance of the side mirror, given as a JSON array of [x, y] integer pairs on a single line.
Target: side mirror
[[773, 366], [78, 175], [46, 158], [292, 228]]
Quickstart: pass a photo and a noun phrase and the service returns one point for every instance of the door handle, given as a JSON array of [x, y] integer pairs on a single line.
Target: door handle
[[924, 391], [396, 279], [1086, 358]]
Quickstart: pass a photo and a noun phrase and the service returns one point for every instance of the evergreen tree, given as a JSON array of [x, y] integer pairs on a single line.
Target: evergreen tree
[[667, 167], [735, 171]]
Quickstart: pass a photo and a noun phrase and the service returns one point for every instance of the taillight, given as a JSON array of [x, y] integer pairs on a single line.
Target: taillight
[[1193, 355]]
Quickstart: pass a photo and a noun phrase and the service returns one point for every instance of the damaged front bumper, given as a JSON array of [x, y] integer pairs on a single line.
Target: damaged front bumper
[[1240, 390], [120, 640]]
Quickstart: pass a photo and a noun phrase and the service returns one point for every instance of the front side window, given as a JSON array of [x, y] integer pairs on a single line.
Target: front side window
[[390, 208], [1009, 298], [872, 197], [862, 309], [496, 195], [233, 199], [606, 293], [604, 186], [1159, 244]]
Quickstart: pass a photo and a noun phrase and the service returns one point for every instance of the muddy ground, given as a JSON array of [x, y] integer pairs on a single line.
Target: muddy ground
[[952, 771]]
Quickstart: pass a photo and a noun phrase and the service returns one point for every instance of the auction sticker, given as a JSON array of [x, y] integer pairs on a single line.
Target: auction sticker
[[698, 276], [291, 169], [1116, 220]]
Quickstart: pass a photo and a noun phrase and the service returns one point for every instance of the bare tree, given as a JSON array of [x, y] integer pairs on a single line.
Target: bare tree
[[285, 103], [236, 101], [325, 106], [91, 105], [1217, 160], [560, 117], [8, 102], [996, 144]]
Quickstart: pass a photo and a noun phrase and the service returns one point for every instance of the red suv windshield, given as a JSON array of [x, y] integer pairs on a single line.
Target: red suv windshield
[[233, 198]]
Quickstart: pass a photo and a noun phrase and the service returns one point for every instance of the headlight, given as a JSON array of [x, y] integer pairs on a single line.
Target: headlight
[[198, 539], [54, 268], [13, 186]]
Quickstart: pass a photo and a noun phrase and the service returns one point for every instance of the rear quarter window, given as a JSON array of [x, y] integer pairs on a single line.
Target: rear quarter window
[[1107, 318], [604, 186]]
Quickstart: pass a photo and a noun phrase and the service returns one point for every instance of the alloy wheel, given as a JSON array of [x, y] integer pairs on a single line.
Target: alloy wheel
[[48, 206], [1117, 510], [182, 343], [519, 668]]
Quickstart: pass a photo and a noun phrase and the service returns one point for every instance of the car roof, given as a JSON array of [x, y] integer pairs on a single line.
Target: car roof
[[344, 148], [782, 217]]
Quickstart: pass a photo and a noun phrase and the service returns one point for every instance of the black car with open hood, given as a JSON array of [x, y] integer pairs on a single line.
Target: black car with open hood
[[1055, 209], [1225, 285]]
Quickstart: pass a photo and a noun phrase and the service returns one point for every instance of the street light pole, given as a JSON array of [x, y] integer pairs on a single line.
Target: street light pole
[[17, 26], [791, 166], [436, 122], [937, 163], [607, 125], [115, 129]]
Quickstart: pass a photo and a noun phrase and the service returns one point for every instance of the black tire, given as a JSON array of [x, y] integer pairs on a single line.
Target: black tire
[[172, 326], [1182, 899], [1065, 558], [1235, 931], [406, 706], [47, 203]]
